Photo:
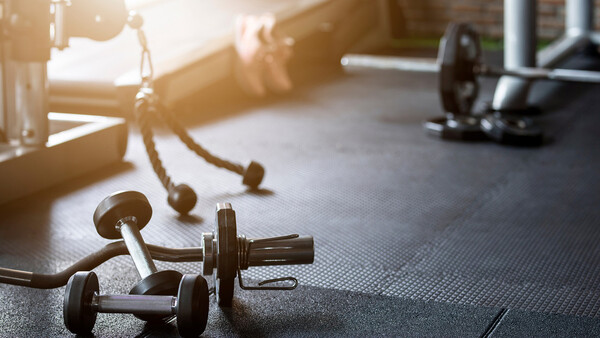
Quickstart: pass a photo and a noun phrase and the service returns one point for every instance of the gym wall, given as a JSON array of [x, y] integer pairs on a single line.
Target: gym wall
[[429, 18]]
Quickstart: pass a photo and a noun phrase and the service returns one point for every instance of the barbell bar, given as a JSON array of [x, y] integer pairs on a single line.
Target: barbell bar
[[428, 65]]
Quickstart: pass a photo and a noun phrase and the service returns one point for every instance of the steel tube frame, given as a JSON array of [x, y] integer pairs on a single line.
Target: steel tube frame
[[31, 102], [520, 39], [520, 45], [25, 95]]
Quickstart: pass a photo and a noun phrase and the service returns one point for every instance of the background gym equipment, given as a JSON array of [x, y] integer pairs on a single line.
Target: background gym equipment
[[83, 302], [40, 148], [511, 130], [456, 127], [181, 197], [520, 24], [223, 250], [123, 215], [459, 63]]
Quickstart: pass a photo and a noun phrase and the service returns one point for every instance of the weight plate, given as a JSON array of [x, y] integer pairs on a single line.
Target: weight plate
[[459, 127], [529, 110], [516, 131], [120, 205], [192, 306], [78, 314], [459, 52], [226, 236]]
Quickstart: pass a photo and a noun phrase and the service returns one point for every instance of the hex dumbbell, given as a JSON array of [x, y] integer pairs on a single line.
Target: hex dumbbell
[[122, 215], [83, 302]]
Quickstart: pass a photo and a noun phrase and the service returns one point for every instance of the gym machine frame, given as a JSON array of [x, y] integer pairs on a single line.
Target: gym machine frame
[[521, 64], [459, 64], [38, 148], [520, 42]]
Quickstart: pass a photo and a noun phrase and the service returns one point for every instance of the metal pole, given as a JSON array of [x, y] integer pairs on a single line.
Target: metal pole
[[579, 17], [137, 304], [520, 42], [11, 120], [29, 29], [571, 75], [31, 102]]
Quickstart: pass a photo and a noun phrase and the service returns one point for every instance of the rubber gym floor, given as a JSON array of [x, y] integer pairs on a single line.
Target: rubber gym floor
[[414, 236]]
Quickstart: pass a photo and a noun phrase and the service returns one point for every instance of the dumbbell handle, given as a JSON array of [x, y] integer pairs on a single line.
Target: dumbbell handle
[[136, 247], [429, 65], [135, 304]]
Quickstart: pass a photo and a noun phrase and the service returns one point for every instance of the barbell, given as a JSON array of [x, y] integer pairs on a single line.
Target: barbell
[[459, 64]]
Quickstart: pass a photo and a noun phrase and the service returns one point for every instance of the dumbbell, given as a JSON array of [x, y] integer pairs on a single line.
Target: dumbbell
[[83, 302], [458, 64], [225, 254], [122, 215]]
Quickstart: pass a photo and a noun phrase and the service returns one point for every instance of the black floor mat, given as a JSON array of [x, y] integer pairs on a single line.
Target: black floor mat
[[394, 213]]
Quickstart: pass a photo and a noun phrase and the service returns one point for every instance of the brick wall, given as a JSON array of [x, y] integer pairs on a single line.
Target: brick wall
[[428, 18]]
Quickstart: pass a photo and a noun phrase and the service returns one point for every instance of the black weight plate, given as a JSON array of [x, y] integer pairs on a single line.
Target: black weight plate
[[459, 127], [117, 206], [226, 236], [518, 131], [224, 290], [530, 110], [78, 314], [192, 306], [458, 53]]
